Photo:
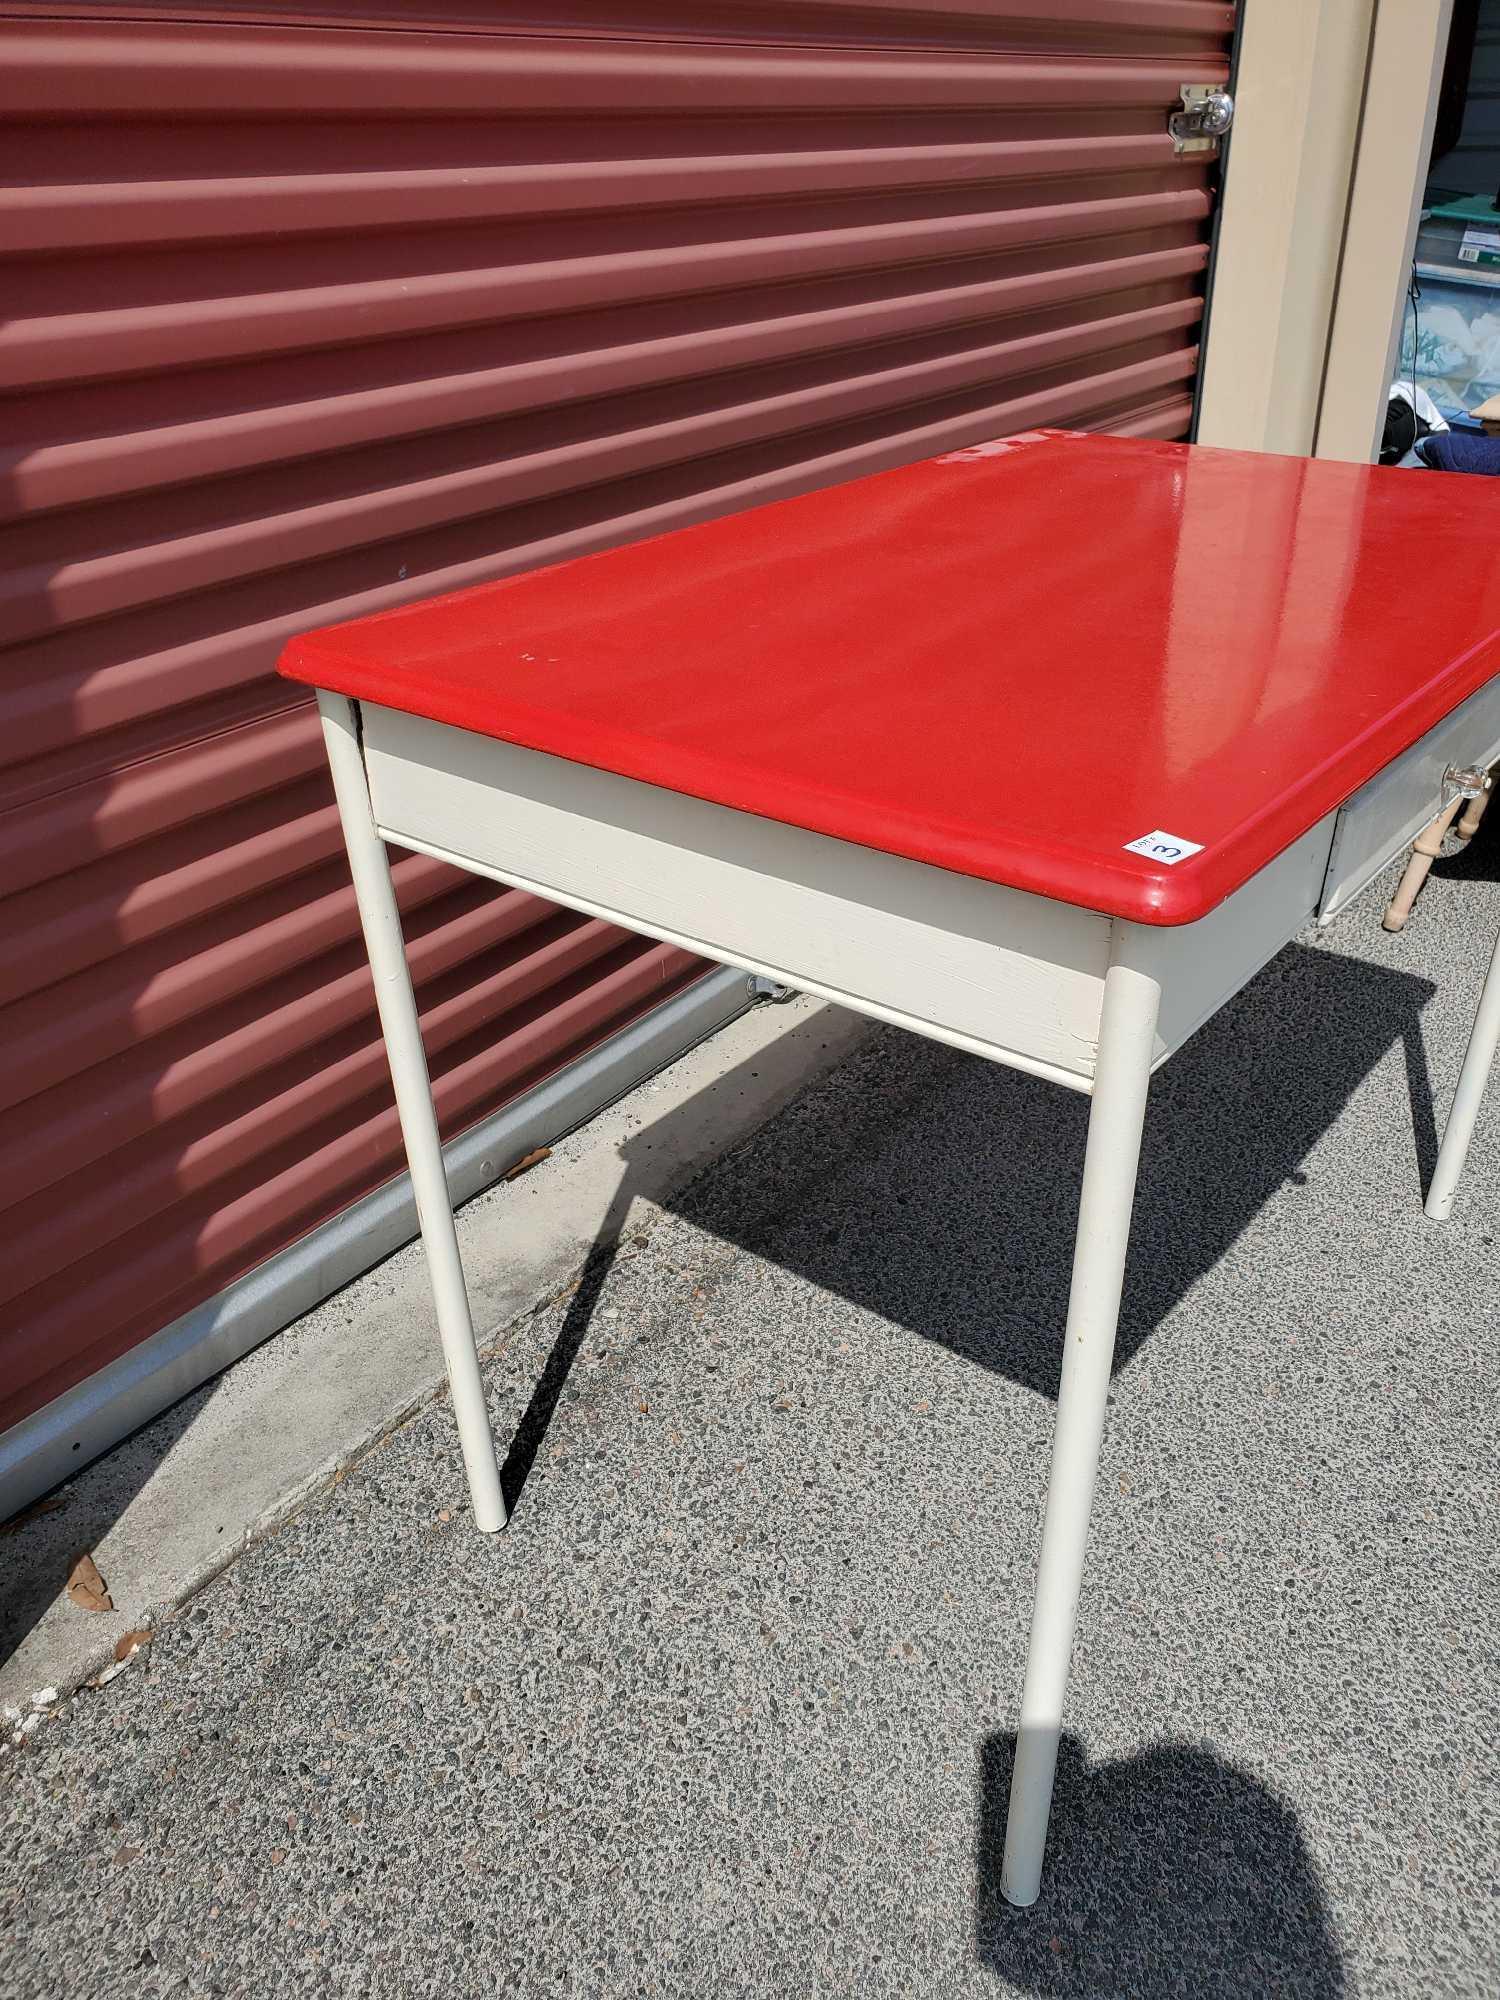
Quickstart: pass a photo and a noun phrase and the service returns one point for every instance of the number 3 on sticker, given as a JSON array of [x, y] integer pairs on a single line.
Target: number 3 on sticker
[[1167, 847]]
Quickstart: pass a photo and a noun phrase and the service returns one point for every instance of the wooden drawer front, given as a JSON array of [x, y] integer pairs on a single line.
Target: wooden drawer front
[[1387, 814]]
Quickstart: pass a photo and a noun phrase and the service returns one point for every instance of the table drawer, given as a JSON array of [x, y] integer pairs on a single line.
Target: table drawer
[[1386, 815], [1008, 975]]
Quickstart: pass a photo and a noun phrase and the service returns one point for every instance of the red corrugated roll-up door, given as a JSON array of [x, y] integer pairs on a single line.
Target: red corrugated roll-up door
[[307, 312]]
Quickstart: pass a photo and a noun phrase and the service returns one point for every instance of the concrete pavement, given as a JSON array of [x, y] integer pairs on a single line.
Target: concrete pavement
[[728, 1708]]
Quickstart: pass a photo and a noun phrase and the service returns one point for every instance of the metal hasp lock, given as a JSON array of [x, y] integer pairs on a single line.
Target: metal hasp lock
[[1206, 115]]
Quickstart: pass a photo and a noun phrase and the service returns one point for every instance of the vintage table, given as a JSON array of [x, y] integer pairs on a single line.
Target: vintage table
[[1041, 748]]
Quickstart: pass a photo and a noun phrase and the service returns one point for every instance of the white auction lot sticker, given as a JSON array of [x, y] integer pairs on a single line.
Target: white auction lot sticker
[[1166, 847]]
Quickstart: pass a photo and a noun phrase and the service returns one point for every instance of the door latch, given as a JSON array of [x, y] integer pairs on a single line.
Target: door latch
[[1206, 115]]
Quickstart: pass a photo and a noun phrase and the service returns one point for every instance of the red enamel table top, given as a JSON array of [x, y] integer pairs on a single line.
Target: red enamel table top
[[1008, 661]]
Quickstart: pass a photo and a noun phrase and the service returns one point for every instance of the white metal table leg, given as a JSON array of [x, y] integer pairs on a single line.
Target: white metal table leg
[[1127, 1034], [1484, 1039], [403, 1043]]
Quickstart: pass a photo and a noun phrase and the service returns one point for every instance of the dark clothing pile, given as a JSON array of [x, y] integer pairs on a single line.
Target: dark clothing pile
[[1459, 451]]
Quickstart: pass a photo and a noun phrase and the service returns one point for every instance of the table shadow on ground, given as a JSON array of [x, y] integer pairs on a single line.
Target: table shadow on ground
[[939, 1190], [1167, 1873]]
